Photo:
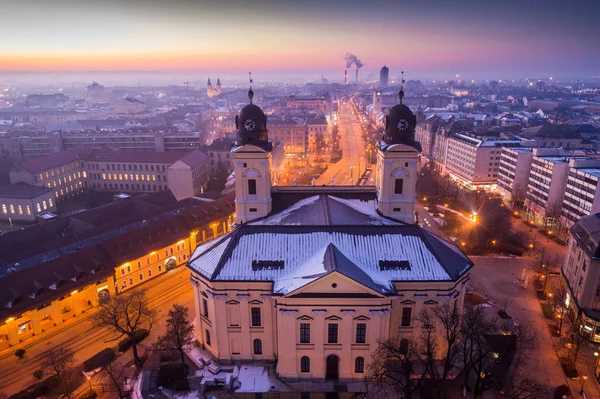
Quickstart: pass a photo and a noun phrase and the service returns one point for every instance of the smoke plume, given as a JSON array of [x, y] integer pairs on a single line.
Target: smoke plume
[[352, 59]]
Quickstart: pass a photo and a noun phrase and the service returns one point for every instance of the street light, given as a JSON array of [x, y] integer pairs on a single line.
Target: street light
[[89, 378], [584, 379]]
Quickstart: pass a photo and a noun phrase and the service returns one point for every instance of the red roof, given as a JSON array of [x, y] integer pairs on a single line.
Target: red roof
[[40, 164], [135, 156]]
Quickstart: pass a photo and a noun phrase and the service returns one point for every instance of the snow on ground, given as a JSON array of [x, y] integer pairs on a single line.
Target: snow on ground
[[259, 379]]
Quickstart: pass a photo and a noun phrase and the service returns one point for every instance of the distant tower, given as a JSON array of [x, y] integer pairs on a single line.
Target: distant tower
[[252, 164], [209, 89], [383, 76], [397, 158], [218, 90]]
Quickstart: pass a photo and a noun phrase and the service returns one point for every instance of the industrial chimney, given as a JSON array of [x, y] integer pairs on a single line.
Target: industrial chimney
[[356, 75], [345, 76]]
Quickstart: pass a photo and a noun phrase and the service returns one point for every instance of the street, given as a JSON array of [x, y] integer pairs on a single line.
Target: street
[[85, 339], [353, 151]]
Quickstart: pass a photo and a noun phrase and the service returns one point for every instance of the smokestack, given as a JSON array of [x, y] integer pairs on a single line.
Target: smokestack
[[356, 75], [345, 76]]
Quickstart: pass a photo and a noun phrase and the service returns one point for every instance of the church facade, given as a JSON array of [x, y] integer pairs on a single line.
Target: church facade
[[312, 278]]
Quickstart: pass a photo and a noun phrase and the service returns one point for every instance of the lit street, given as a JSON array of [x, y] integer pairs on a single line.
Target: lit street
[[81, 336], [353, 151]]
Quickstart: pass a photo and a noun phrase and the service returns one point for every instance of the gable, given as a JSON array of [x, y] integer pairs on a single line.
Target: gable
[[335, 283]]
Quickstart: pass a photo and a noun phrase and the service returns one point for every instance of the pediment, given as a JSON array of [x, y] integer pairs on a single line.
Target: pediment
[[335, 284]]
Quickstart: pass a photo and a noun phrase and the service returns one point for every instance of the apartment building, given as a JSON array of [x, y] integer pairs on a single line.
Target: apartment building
[[64, 172], [474, 162], [220, 157], [513, 173], [321, 104], [582, 191], [547, 183], [294, 135], [316, 127], [581, 277]]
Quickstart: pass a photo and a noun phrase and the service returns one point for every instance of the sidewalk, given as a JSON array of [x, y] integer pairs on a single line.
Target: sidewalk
[[540, 241]]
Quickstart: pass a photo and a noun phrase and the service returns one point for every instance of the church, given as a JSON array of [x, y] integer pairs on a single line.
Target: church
[[311, 278]]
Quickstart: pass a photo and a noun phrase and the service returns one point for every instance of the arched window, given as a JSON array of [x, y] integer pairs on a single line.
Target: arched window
[[359, 365], [305, 364], [257, 347], [404, 346]]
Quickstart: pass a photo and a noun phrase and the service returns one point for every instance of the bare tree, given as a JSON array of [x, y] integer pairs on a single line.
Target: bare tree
[[390, 371], [126, 315], [113, 373], [427, 345], [60, 362], [450, 320], [180, 332]]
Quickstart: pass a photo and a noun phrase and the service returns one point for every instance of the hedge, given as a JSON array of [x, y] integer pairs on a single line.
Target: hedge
[[102, 358], [172, 376], [38, 389]]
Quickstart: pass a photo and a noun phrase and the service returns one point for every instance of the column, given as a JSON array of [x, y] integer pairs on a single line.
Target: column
[[288, 363], [13, 333], [77, 307], [317, 363], [218, 319], [57, 315], [267, 341], [34, 317], [197, 320], [346, 339], [245, 325]]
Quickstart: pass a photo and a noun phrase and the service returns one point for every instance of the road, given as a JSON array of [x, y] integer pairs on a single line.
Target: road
[[85, 339], [353, 149], [498, 279]]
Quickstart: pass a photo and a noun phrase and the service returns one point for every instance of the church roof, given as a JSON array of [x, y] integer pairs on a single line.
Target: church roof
[[323, 233]]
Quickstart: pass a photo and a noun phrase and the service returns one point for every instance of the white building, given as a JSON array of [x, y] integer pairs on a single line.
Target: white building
[[23, 202], [513, 173], [474, 162], [582, 192], [313, 277]]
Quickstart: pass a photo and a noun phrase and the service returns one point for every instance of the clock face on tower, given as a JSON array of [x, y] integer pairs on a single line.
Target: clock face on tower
[[402, 124], [249, 125]]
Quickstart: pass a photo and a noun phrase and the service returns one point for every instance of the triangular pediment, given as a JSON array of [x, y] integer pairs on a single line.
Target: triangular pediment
[[335, 284]]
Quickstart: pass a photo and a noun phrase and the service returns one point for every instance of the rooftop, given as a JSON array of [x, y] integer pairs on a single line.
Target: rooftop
[[22, 190], [46, 162]]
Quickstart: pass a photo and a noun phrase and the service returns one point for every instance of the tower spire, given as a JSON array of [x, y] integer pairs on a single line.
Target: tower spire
[[250, 92], [401, 92]]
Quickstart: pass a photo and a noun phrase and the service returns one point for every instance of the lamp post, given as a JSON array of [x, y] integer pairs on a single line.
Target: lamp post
[[89, 378], [583, 379], [596, 354]]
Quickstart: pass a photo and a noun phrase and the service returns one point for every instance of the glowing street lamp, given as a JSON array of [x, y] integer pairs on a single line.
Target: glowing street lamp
[[584, 379]]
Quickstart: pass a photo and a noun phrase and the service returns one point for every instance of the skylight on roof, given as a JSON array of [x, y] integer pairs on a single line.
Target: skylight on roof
[[267, 265], [394, 265]]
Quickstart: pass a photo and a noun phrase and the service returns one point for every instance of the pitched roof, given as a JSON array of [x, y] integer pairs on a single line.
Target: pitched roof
[[22, 190], [194, 159], [134, 156], [40, 164]]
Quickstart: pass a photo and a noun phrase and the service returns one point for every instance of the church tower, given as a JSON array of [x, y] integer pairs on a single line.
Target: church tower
[[397, 157], [252, 164], [209, 89], [218, 89]]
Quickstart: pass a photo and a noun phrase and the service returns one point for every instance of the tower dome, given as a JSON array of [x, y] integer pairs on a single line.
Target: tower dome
[[400, 124], [251, 125]]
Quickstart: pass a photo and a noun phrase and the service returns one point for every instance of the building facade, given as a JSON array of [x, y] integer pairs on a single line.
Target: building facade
[[513, 174], [22, 202], [581, 277], [317, 276], [582, 193]]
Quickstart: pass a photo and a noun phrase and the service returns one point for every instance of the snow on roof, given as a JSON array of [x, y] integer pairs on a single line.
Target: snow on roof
[[279, 218], [358, 252], [368, 208]]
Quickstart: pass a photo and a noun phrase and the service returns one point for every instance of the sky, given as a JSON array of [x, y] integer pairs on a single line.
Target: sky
[[426, 38]]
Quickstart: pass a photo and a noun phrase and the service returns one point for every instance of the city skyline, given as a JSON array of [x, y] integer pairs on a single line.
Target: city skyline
[[433, 39]]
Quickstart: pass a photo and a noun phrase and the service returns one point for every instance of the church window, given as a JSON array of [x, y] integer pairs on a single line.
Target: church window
[[256, 319], [305, 364], [204, 308], [332, 333], [207, 340], [257, 344], [403, 346], [361, 333], [359, 365], [406, 317], [305, 333], [251, 186], [399, 186]]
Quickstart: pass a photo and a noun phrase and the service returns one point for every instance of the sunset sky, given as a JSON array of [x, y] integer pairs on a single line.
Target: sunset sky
[[438, 38]]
